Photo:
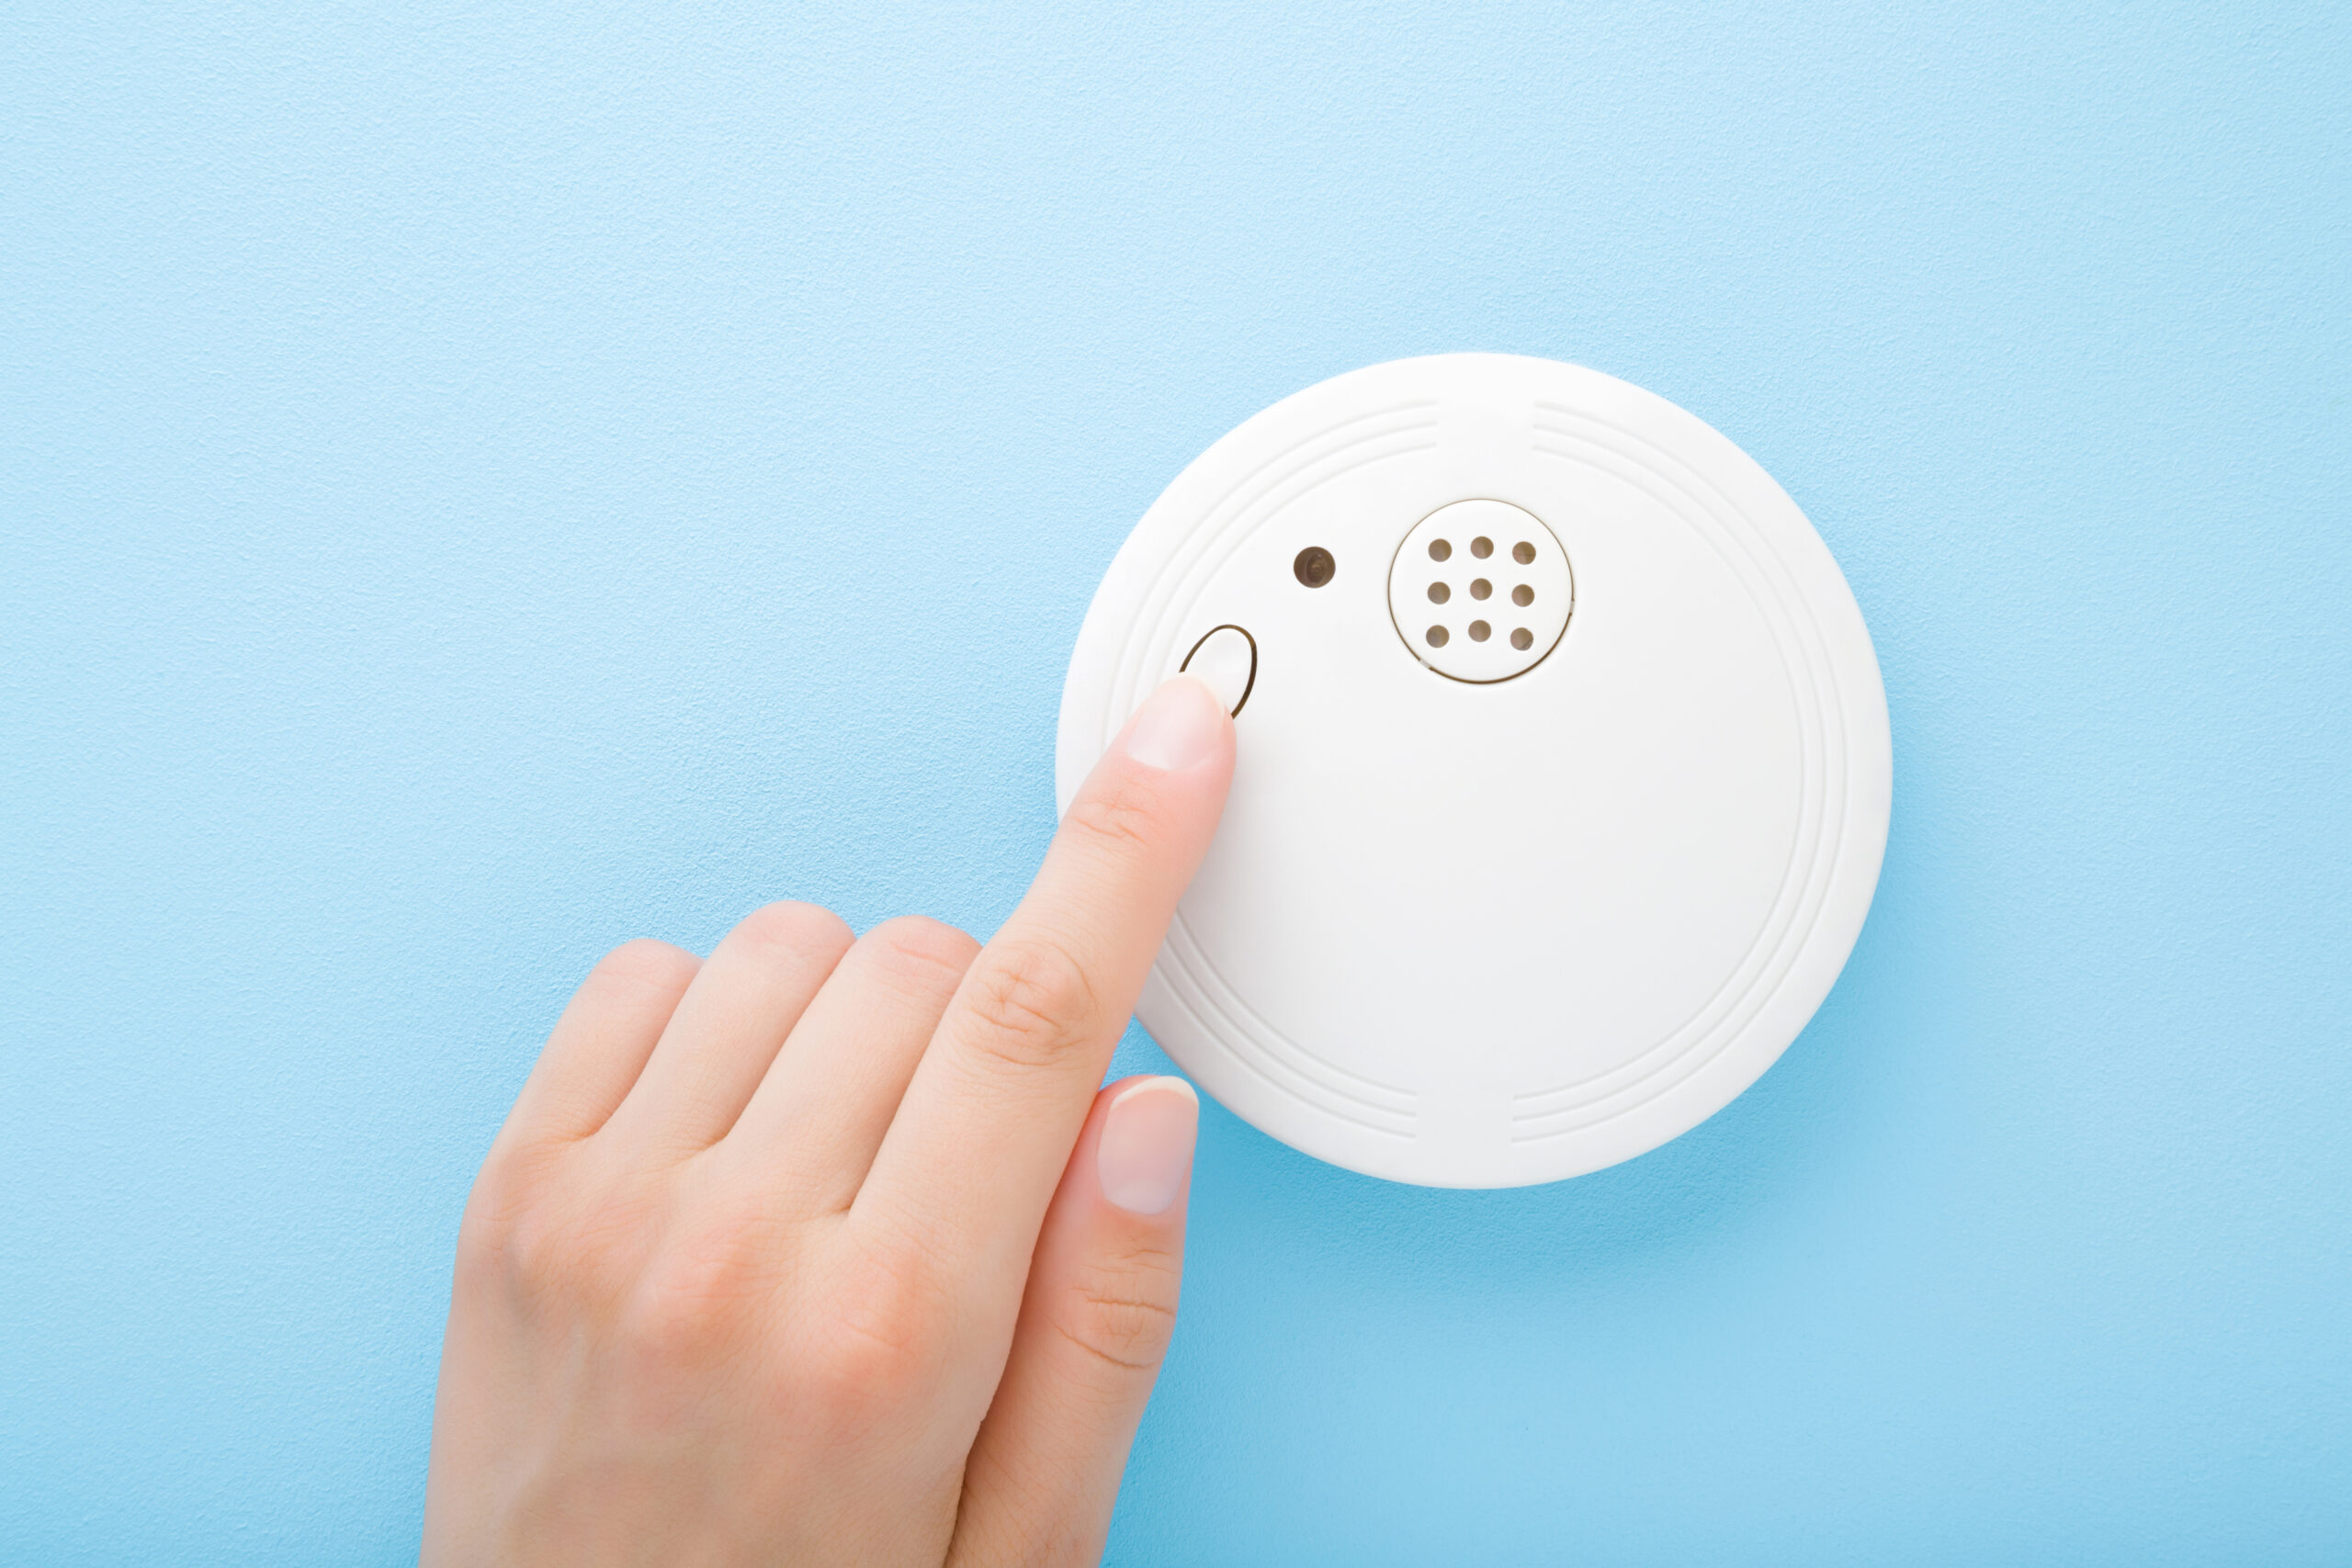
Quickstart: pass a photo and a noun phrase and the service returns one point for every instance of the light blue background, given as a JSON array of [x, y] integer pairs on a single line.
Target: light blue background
[[483, 482]]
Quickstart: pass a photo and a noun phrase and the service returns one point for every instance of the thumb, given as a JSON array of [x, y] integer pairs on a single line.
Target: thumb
[[1095, 1322]]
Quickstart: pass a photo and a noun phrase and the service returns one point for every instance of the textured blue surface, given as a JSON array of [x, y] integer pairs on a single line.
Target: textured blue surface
[[483, 482]]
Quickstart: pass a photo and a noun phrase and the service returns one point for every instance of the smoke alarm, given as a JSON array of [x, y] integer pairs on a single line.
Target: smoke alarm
[[1562, 768]]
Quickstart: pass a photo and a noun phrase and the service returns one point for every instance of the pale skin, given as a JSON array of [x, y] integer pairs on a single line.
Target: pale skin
[[828, 1249]]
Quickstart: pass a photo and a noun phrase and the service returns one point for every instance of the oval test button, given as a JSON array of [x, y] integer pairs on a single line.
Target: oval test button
[[1227, 660]]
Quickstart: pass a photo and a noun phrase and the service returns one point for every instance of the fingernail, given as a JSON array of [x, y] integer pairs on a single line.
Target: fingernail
[[1146, 1145], [1177, 727]]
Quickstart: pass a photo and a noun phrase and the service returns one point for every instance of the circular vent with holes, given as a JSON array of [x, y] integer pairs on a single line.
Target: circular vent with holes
[[1481, 591]]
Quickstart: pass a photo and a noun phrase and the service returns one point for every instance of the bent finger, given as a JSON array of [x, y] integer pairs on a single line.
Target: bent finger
[[1093, 1330], [728, 1025], [982, 1138], [816, 1118], [600, 1045]]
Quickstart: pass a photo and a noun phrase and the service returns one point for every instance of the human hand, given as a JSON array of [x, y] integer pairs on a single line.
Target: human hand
[[826, 1251]]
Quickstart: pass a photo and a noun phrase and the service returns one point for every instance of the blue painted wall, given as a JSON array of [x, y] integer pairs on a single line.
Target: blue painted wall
[[483, 482]]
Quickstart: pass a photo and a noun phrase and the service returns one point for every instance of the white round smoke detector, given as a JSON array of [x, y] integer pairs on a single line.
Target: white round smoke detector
[[1563, 767]]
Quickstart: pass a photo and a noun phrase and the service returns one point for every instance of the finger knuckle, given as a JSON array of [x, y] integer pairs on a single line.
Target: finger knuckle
[[698, 1296], [642, 968], [511, 1194], [922, 955], [880, 1336], [534, 1251], [1119, 812], [794, 928], [1123, 1320], [645, 958], [513, 1176], [485, 1244], [665, 1327], [1030, 1002]]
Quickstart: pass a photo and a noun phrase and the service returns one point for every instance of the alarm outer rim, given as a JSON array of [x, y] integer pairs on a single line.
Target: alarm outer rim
[[1852, 689]]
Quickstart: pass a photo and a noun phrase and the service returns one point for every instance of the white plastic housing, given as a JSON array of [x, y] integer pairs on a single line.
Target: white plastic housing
[[1522, 919]]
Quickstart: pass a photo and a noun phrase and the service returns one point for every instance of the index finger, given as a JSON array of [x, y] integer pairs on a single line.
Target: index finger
[[977, 1146]]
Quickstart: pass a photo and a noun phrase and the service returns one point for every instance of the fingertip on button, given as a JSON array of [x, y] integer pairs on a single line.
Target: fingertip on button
[[1225, 660]]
